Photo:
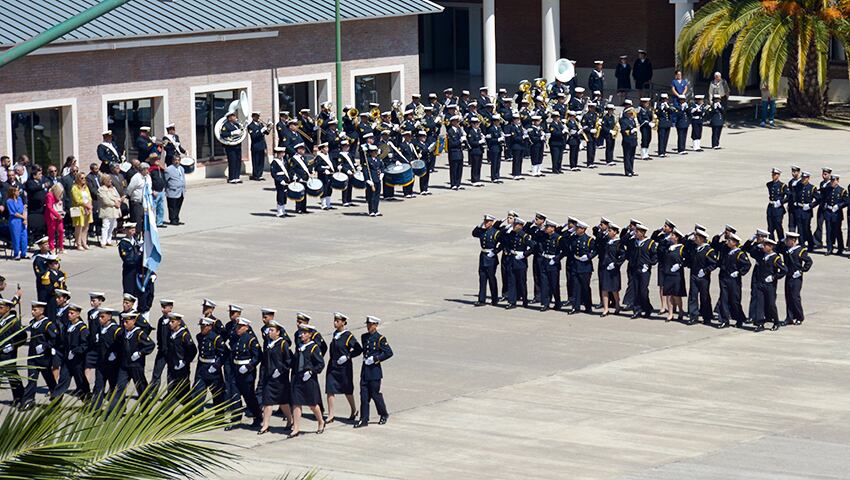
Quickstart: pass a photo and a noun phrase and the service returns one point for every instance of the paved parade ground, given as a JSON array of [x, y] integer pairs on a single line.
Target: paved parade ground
[[489, 393]]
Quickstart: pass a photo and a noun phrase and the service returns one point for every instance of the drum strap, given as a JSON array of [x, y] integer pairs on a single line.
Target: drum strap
[[282, 168], [298, 159], [110, 146], [347, 159]]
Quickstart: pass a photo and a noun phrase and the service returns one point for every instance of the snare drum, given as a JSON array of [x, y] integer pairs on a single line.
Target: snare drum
[[419, 167], [314, 187], [339, 181], [295, 191], [358, 180], [188, 164], [398, 175]]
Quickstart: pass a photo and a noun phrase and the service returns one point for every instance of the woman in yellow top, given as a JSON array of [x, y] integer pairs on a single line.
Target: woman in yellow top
[[81, 211]]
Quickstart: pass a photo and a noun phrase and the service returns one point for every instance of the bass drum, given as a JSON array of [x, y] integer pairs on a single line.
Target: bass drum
[[295, 191], [314, 187], [339, 181], [419, 167], [188, 164], [398, 175], [358, 180]]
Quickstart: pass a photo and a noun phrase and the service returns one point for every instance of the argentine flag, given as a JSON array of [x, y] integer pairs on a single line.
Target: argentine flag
[[152, 252]]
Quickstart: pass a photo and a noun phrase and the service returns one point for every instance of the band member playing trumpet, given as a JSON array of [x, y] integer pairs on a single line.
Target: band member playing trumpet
[[281, 179], [257, 130], [346, 164], [300, 173], [231, 128], [325, 169]]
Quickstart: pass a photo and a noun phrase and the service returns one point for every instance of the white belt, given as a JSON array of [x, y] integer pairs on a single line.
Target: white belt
[[549, 256], [486, 250], [206, 360], [241, 362]]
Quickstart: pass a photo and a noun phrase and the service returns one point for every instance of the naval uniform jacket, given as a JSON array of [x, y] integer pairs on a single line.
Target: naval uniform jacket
[[340, 378], [489, 238], [376, 346]]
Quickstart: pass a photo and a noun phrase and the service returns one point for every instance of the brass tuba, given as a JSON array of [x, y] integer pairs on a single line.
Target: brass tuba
[[354, 115], [242, 109]]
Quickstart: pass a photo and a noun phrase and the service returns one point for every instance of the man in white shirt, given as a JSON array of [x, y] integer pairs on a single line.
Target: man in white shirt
[[135, 191]]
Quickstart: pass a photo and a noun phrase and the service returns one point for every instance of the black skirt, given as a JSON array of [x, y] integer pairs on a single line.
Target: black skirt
[[610, 281], [277, 391], [305, 393], [340, 379], [91, 359], [673, 283]]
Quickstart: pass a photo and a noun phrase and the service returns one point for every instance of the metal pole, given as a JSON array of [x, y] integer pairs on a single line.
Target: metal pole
[[58, 31], [338, 63]]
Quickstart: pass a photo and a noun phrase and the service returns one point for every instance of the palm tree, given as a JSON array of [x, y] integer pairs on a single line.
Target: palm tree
[[791, 37]]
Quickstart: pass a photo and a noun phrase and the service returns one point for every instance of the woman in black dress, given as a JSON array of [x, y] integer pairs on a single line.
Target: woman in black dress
[[340, 374], [673, 274], [277, 391], [305, 379], [613, 257]]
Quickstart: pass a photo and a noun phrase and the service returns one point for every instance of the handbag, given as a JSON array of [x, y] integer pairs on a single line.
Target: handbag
[[76, 212]]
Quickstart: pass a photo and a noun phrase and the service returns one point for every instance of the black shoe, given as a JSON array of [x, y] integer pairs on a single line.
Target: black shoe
[[635, 315], [525, 304], [535, 300], [775, 327], [544, 309], [361, 424], [258, 422], [383, 419], [573, 311], [510, 307], [229, 428], [248, 414], [479, 304], [759, 328], [603, 314], [723, 325], [28, 406]]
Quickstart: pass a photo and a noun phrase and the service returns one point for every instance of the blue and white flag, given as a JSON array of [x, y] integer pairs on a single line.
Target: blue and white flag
[[152, 252]]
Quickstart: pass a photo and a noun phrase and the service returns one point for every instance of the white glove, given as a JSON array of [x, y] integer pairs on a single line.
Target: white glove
[[490, 254], [593, 131], [369, 361], [8, 349], [675, 268], [211, 369], [610, 267], [307, 376], [53, 351], [835, 208], [583, 258], [734, 274], [111, 357], [371, 183], [135, 356], [807, 207], [519, 256], [551, 261], [341, 360], [651, 124], [644, 268], [701, 273], [397, 163], [777, 203], [768, 279], [180, 365], [797, 274], [39, 349], [276, 373], [242, 369]]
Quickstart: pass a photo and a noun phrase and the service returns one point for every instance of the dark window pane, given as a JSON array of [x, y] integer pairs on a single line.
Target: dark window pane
[[38, 134]]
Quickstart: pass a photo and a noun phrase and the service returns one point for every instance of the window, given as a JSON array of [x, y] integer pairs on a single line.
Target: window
[[125, 117], [38, 134], [210, 107], [377, 88], [836, 52], [293, 96]]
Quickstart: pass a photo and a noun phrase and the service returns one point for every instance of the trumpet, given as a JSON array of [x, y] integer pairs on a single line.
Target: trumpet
[[354, 115], [419, 112], [375, 113]]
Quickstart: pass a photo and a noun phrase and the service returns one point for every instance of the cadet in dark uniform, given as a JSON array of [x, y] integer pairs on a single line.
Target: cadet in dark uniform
[[769, 271], [488, 234], [44, 344], [798, 262], [538, 235], [257, 131], [495, 137], [299, 172], [340, 372], [551, 251], [516, 133], [642, 72], [281, 128], [376, 350], [506, 227], [135, 346], [181, 352], [824, 187], [832, 203], [701, 259], [324, 169], [697, 114], [39, 267], [131, 258], [582, 252], [75, 348], [793, 191], [611, 258], [682, 121], [231, 128], [372, 168], [108, 153], [776, 196], [665, 122], [629, 129], [672, 273], [806, 201], [556, 131], [645, 257], [734, 264], [573, 139], [608, 131], [277, 361], [280, 176], [456, 142], [12, 336], [590, 126], [517, 245], [716, 120], [646, 122], [108, 348], [144, 144], [536, 142], [309, 363], [96, 300], [476, 142], [212, 353]]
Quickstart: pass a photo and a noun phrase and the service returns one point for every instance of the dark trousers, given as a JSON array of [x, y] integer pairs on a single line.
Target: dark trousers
[[33, 371], [487, 276], [536, 153], [137, 375], [730, 300], [610, 143], [834, 235], [370, 390], [570, 283], [73, 369], [774, 223], [535, 275], [245, 384], [516, 167], [178, 384], [258, 160], [517, 285], [425, 180], [574, 149], [793, 301], [231, 390], [494, 156], [104, 375], [373, 197], [681, 139], [804, 228], [550, 288], [792, 219], [819, 221], [663, 138], [642, 303], [137, 215], [158, 368], [581, 290], [557, 153], [174, 206], [475, 160], [10, 373], [234, 162], [699, 298], [629, 158], [456, 172], [591, 151], [506, 273], [346, 194], [715, 136], [767, 304], [213, 383]]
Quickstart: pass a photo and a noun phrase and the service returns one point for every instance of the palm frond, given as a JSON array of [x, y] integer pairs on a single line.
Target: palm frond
[[697, 33], [804, 39], [747, 46], [774, 56], [822, 38]]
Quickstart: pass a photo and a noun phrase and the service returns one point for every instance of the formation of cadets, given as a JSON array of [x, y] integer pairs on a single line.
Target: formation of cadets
[[684, 264], [103, 351], [363, 152]]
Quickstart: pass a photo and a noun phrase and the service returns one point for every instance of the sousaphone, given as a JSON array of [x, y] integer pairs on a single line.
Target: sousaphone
[[242, 109]]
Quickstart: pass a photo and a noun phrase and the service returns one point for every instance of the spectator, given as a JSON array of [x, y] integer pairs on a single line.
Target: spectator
[[719, 87], [120, 184], [81, 212], [12, 180], [68, 180], [36, 191], [24, 161], [135, 192], [5, 166], [17, 222], [50, 178], [93, 182], [175, 190], [642, 73], [134, 169], [624, 78], [768, 105], [680, 85], [54, 218], [70, 165], [157, 175], [110, 209]]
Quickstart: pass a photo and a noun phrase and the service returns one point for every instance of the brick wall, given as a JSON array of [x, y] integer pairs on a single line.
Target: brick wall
[[298, 50]]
